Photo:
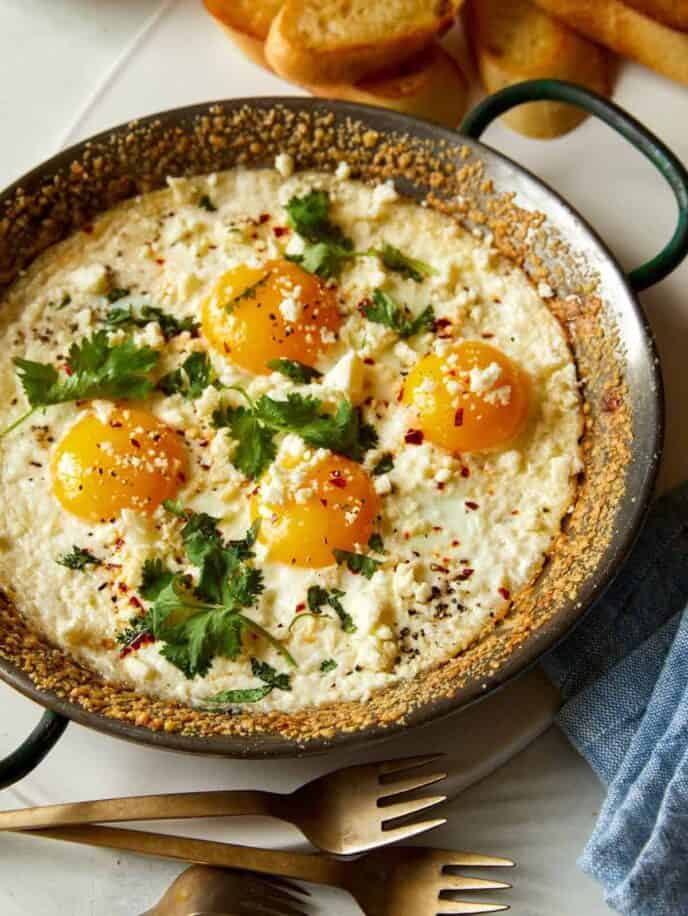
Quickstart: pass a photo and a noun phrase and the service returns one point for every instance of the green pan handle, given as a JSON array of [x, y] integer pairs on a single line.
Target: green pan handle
[[29, 754], [623, 123]]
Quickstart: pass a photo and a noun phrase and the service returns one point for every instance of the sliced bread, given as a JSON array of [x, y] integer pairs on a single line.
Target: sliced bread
[[334, 41], [673, 13], [430, 86], [627, 31], [513, 40]]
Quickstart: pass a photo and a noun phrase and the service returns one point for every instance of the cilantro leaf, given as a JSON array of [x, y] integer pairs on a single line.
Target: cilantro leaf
[[357, 562], [385, 310], [266, 673], [154, 578], [318, 596], [329, 664], [138, 626], [205, 203], [98, 370], [62, 304], [249, 292], [293, 369], [376, 543], [384, 465], [255, 426], [123, 316], [117, 292], [191, 379], [397, 261], [79, 558], [327, 248]]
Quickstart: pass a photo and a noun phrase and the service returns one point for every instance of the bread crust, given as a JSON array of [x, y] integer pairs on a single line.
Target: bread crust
[[513, 40], [626, 31], [673, 13]]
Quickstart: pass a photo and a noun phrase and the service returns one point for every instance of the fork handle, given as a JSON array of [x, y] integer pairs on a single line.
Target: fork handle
[[146, 808], [315, 868]]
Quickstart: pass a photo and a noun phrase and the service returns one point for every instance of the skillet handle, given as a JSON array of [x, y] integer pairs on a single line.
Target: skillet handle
[[654, 270], [32, 751]]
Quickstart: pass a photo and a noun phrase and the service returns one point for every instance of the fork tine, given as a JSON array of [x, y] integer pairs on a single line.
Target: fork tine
[[407, 763], [473, 859], [461, 907], [402, 809], [410, 830], [409, 784], [285, 886], [465, 883], [270, 908]]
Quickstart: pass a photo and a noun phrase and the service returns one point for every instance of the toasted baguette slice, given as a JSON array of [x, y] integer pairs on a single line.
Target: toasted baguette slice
[[673, 13], [512, 40], [343, 41], [430, 86], [626, 31], [247, 22]]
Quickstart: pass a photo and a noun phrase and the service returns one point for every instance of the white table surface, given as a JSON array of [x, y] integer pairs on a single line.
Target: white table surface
[[70, 67]]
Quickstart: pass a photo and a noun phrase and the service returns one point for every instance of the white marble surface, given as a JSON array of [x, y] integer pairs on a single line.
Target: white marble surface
[[71, 67]]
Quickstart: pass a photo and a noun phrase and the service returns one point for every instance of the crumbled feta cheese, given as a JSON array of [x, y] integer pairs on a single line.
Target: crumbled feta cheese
[[383, 485], [383, 194], [347, 375], [149, 336], [481, 380], [406, 355], [291, 306], [500, 396], [284, 163], [545, 290], [91, 279], [343, 171]]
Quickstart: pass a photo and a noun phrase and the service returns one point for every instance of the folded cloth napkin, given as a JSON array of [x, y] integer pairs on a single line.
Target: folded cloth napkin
[[623, 675]]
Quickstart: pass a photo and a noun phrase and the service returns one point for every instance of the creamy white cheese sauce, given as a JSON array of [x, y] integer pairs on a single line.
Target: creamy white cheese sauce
[[495, 513]]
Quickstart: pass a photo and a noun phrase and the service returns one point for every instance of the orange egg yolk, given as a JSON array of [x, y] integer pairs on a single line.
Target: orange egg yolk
[[129, 461], [334, 506], [257, 314], [472, 397]]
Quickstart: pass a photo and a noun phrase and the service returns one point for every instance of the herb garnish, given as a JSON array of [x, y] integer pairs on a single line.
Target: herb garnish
[[206, 204], [79, 558], [255, 426], [376, 543], [154, 578], [318, 596], [97, 370], [191, 379], [329, 664], [266, 673], [327, 248], [124, 316], [384, 465], [293, 369], [208, 620], [398, 262], [63, 303], [116, 293], [385, 310], [357, 562], [249, 292]]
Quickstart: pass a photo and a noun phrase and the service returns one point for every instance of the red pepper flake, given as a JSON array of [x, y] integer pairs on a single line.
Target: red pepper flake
[[134, 602], [263, 218], [135, 442], [505, 593], [323, 501], [436, 527], [363, 305], [88, 228], [440, 323], [466, 573], [465, 472], [141, 640], [455, 543], [160, 261], [301, 606], [122, 586], [469, 504], [440, 486], [487, 335], [435, 567], [279, 231], [119, 543], [68, 369], [337, 480], [458, 417], [369, 361], [414, 436], [611, 402]]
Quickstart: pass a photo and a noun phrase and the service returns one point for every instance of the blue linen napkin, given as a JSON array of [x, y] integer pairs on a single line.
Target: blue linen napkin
[[623, 676]]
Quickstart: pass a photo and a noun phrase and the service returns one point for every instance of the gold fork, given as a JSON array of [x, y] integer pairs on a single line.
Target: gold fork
[[395, 881], [221, 892], [343, 813]]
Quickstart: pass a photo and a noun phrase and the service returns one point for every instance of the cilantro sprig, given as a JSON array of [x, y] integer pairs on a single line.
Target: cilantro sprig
[[317, 597], [256, 425], [271, 679], [123, 316], [357, 562], [327, 248], [396, 261], [329, 664], [294, 370], [191, 379], [387, 311], [79, 558], [95, 370], [198, 623]]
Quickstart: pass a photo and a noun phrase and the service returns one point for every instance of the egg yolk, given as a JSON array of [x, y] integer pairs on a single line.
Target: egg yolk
[[470, 398], [278, 310], [334, 506], [129, 461]]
